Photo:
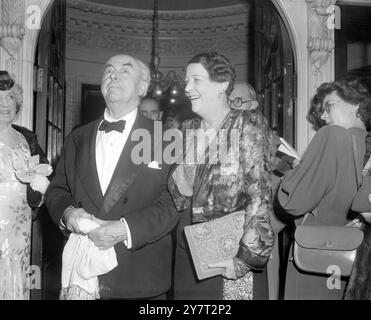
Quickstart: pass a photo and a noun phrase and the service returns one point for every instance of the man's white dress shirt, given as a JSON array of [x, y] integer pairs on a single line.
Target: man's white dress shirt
[[108, 149]]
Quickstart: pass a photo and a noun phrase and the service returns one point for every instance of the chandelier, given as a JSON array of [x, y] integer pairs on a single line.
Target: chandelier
[[170, 85]]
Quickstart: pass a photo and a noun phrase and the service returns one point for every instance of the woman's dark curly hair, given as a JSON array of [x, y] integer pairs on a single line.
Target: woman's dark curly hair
[[219, 68], [351, 90], [316, 109]]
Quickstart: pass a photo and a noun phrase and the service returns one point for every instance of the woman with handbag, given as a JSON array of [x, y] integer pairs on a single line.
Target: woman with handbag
[[328, 177], [204, 189]]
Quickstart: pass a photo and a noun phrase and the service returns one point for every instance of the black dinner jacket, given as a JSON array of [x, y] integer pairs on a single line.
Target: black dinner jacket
[[136, 192]]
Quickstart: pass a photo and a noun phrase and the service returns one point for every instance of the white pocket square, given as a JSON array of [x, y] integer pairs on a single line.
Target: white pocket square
[[154, 165]]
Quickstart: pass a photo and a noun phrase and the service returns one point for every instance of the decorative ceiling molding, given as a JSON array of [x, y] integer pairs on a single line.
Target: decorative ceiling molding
[[98, 18], [143, 15], [171, 30], [168, 47], [104, 27]]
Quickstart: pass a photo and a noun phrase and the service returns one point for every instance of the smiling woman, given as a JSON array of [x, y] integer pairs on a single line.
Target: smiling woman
[[205, 189], [17, 145], [10, 98]]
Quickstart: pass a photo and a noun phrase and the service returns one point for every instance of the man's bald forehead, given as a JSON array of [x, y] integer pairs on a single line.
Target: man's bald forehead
[[244, 90], [122, 59]]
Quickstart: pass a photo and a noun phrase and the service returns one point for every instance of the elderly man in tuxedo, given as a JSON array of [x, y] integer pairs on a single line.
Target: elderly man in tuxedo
[[97, 177]]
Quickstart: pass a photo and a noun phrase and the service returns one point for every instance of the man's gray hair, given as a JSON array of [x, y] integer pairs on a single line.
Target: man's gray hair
[[146, 75]]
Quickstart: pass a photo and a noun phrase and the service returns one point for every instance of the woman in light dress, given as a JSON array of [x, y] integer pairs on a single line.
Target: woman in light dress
[[17, 144]]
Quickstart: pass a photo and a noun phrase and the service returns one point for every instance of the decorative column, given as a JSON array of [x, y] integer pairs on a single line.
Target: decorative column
[[321, 42], [11, 34]]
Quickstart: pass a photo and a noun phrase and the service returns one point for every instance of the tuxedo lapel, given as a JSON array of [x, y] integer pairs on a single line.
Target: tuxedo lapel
[[86, 164], [125, 173]]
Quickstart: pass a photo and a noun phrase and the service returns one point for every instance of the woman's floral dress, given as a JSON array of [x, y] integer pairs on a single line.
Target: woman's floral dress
[[15, 225]]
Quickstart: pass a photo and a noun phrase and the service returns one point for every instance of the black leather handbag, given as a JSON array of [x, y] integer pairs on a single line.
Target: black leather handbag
[[323, 249]]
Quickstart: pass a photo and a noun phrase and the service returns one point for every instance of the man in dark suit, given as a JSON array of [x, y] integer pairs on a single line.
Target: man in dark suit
[[97, 177]]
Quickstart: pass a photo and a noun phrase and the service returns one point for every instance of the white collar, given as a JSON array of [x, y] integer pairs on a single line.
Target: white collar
[[130, 117]]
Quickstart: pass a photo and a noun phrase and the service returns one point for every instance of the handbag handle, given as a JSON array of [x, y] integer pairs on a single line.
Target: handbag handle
[[355, 156]]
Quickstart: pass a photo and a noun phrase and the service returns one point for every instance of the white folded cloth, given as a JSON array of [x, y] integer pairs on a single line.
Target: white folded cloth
[[82, 263]]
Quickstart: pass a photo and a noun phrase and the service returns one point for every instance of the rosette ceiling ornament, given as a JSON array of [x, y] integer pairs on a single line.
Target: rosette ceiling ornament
[[170, 85]]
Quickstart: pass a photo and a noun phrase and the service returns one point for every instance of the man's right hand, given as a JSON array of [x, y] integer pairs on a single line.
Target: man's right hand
[[71, 216]]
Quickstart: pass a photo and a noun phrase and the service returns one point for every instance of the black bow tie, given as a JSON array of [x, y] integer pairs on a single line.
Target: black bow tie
[[107, 126]]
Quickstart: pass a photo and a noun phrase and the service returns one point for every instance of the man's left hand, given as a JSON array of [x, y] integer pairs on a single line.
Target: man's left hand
[[228, 265], [108, 234]]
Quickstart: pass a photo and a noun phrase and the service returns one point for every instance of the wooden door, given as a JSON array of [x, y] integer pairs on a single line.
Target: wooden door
[[49, 102]]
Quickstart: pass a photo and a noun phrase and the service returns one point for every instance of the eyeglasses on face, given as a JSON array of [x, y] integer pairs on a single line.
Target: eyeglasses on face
[[238, 102], [329, 105]]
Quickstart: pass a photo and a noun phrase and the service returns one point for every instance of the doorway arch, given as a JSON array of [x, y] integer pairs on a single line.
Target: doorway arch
[[45, 6], [27, 55], [295, 18]]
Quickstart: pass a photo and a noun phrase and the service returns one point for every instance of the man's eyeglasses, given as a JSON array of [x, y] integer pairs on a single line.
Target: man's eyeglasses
[[238, 102]]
